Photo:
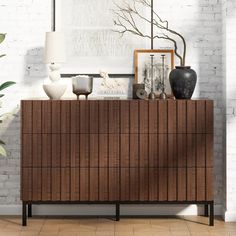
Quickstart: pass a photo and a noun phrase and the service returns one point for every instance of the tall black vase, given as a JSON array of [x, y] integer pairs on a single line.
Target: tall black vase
[[183, 81]]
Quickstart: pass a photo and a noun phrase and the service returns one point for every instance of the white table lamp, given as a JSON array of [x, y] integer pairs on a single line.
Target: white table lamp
[[54, 55]]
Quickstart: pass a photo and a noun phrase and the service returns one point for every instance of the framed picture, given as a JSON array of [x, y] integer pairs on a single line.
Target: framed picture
[[152, 67], [91, 43]]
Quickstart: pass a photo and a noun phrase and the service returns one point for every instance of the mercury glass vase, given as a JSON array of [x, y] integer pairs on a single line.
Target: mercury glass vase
[[82, 85]]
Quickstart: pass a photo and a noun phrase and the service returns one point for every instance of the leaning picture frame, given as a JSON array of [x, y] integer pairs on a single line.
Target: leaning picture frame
[[92, 44], [163, 63]]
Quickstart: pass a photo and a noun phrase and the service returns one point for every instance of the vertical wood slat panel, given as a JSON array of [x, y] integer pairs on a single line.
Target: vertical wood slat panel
[[209, 117], [172, 117], [46, 150], [134, 154], [153, 184], [46, 184], [65, 184], [94, 184], [37, 150], [94, 117], [124, 117], [103, 184], [47, 117], [125, 184], [191, 184], [94, 147], [209, 184], [75, 117], [162, 117], [191, 117], [37, 184], [84, 117], [182, 184], [114, 150], [37, 117], [65, 150], [200, 117], [84, 150], [191, 150], [66, 117], [27, 147], [114, 190], [124, 151], [182, 150], [181, 117], [201, 180], [172, 151], [26, 116], [201, 150], [143, 117], [103, 117], [144, 184], [75, 150], [163, 184], [163, 152], [134, 184], [56, 150], [103, 150], [75, 184], [56, 184], [84, 184], [153, 150], [26, 184], [134, 119], [209, 150], [153, 117], [114, 117], [144, 152], [172, 184], [56, 117]]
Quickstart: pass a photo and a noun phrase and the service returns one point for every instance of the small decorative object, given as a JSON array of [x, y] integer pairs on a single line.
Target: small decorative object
[[54, 54], [112, 87], [152, 95], [162, 85], [82, 85], [128, 17], [141, 94], [137, 87], [150, 73]]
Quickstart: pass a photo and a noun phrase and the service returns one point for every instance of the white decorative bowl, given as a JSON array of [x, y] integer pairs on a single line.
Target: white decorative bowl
[[54, 90]]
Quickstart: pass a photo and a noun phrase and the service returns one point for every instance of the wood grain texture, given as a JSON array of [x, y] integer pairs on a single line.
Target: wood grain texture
[[117, 150]]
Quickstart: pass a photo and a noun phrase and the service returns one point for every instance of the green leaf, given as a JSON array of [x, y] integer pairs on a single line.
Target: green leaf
[[6, 85], [3, 151], [1, 95], [2, 37], [1, 142], [3, 55]]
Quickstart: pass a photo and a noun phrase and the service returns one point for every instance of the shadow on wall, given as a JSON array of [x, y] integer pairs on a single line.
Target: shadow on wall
[[35, 69]]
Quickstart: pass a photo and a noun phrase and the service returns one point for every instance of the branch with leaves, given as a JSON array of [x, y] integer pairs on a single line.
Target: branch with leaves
[[2, 87], [126, 14]]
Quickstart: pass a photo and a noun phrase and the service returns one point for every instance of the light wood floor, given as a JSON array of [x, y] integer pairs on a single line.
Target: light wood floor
[[184, 226]]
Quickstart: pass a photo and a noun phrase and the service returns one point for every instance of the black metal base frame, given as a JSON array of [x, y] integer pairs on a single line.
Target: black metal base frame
[[207, 204]]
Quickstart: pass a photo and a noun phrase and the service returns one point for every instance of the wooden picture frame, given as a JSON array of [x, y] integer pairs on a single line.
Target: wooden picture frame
[[142, 61]]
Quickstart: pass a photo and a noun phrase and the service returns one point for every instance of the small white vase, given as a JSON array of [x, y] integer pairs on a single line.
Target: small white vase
[[55, 90]]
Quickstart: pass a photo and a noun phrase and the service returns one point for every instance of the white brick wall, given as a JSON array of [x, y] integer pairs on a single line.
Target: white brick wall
[[26, 22]]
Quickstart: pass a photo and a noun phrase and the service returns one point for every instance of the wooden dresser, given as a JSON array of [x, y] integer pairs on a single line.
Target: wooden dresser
[[117, 152]]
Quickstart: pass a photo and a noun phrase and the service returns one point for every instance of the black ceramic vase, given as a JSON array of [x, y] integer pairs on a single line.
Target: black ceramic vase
[[183, 82]]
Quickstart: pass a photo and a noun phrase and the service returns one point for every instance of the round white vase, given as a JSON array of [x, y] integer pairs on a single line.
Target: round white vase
[[55, 90]]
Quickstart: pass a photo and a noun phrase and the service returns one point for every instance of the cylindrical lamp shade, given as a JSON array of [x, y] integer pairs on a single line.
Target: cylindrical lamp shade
[[54, 48]]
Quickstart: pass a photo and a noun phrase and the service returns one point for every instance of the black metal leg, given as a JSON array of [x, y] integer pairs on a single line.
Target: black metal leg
[[29, 210], [206, 210], [24, 214], [212, 214], [117, 211]]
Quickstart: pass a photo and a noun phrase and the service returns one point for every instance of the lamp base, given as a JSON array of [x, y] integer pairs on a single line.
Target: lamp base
[[55, 90]]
